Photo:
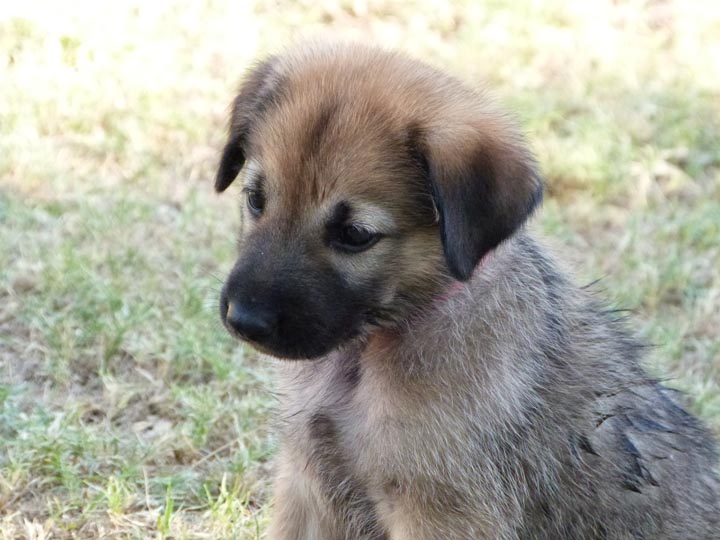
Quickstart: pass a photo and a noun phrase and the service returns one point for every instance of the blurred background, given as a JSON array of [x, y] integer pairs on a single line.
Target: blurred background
[[125, 410]]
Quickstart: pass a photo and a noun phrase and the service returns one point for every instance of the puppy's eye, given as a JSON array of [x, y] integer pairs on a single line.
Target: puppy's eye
[[354, 238], [255, 201]]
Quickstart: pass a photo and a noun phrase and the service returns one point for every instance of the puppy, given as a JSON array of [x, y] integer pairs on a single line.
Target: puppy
[[442, 379]]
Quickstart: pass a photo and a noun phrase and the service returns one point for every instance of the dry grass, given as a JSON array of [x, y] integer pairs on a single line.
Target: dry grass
[[125, 411]]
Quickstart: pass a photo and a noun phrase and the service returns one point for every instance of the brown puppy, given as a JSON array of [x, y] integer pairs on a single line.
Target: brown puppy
[[449, 382]]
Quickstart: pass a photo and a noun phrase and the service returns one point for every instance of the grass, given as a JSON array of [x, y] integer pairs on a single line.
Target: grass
[[125, 410]]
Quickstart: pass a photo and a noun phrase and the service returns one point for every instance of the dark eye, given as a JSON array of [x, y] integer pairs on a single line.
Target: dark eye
[[354, 238], [255, 201]]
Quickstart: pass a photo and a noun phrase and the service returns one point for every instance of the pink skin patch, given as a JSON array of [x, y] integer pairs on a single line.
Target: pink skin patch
[[457, 286], [385, 337]]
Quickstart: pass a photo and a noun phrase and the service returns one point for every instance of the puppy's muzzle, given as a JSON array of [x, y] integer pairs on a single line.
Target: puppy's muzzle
[[288, 307]]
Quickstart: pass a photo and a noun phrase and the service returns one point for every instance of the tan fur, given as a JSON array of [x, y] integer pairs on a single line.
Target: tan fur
[[508, 406]]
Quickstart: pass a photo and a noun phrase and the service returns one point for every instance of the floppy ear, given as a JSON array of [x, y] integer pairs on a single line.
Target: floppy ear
[[485, 185], [259, 90]]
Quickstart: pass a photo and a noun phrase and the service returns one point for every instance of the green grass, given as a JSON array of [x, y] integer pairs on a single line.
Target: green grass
[[125, 410]]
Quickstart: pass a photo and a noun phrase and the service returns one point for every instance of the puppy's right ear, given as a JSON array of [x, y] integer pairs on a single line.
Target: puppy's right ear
[[259, 90]]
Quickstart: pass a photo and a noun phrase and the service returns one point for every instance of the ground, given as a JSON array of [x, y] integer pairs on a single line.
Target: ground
[[125, 410]]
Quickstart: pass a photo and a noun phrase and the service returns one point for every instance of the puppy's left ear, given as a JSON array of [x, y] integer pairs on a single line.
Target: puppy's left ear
[[485, 185], [259, 90]]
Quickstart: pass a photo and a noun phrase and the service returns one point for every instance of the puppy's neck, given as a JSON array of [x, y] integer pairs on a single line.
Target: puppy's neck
[[389, 337]]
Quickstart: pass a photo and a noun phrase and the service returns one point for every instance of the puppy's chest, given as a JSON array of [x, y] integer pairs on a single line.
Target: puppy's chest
[[337, 417], [351, 425]]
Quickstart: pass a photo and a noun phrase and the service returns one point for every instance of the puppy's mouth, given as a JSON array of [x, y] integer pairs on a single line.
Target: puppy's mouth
[[293, 337]]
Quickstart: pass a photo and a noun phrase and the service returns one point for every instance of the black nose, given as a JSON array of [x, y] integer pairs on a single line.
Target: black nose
[[251, 323]]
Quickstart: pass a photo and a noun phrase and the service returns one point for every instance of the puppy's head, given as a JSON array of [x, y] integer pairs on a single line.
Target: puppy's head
[[370, 181]]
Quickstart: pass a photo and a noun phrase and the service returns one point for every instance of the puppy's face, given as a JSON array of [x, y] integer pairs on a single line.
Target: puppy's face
[[363, 195]]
